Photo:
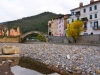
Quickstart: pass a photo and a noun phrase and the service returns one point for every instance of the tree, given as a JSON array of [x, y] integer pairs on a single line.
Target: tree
[[14, 27], [41, 38], [74, 29]]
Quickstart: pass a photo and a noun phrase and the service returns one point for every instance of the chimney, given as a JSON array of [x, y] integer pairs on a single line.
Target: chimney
[[91, 1], [81, 4]]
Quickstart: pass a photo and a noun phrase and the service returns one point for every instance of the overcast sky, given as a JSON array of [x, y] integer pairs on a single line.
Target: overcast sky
[[16, 9]]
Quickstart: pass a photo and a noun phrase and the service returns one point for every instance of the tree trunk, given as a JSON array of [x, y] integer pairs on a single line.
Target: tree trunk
[[74, 40]]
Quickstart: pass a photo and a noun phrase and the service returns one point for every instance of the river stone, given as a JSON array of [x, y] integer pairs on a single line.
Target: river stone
[[10, 50], [98, 71], [68, 56], [0, 61], [17, 51], [0, 50]]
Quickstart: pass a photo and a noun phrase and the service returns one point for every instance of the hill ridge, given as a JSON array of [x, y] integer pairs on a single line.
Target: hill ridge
[[33, 23]]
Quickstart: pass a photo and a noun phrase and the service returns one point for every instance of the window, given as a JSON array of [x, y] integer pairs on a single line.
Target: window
[[72, 20], [59, 26], [85, 25], [95, 15], [62, 20], [90, 16], [59, 30], [59, 21], [90, 24], [96, 24], [72, 13], [78, 18], [90, 8], [84, 10], [91, 33], [95, 7], [68, 21]]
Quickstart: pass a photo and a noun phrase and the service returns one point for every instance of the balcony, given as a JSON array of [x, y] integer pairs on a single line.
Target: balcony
[[77, 14], [96, 28], [85, 28], [84, 19]]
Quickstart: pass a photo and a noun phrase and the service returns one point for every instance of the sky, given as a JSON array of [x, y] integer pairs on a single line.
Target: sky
[[17, 70], [17, 9]]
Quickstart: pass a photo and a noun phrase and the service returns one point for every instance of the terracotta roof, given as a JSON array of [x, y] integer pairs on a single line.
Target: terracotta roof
[[86, 5]]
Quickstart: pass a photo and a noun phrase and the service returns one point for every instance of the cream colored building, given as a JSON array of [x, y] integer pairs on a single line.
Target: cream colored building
[[54, 27], [89, 14]]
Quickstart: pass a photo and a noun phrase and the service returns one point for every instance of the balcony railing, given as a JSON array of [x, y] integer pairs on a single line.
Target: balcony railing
[[85, 28], [77, 14], [96, 28], [84, 19]]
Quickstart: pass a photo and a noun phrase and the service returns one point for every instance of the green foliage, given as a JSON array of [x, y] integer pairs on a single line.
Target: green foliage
[[14, 27], [41, 38], [74, 29], [33, 23]]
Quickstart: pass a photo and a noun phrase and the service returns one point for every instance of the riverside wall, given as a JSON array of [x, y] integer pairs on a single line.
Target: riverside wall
[[80, 59], [83, 39], [89, 39], [10, 39]]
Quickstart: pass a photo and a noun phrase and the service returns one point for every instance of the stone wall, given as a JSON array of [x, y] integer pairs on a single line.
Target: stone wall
[[10, 39], [74, 59], [89, 39], [10, 53], [58, 39], [83, 39]]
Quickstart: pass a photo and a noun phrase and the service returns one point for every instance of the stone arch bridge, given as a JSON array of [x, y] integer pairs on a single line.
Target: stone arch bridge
[[22, 37]]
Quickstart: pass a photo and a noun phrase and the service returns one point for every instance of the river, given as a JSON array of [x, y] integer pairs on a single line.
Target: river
[[28, 66], [17, 70]]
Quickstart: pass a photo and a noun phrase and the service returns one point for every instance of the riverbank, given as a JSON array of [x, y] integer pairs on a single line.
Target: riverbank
[[34, 65], [78, 59]]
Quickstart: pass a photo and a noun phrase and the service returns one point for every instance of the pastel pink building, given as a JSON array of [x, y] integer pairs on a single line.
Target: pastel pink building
[[60, 26], [15, 32]]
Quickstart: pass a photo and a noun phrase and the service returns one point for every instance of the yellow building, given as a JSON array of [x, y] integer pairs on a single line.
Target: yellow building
[[54, 27]]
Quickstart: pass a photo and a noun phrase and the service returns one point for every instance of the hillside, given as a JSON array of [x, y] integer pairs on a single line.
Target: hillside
[[37, 22]]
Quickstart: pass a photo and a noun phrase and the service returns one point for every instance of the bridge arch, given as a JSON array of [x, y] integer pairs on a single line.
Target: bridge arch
[[22, 37]]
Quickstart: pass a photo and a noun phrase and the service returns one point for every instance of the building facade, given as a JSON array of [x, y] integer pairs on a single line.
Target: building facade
[[57, 26], [90, 15], [49, 28], [4, 30], [15, 32], [60, 26], [54, 27]]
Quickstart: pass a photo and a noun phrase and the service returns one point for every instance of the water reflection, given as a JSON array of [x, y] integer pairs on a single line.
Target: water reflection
[[35, 65], [17, 70], [38, 69], [35, 68], [5, 68]]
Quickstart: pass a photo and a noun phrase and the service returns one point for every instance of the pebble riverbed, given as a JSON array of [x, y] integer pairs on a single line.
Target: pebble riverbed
[[84, 60]]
